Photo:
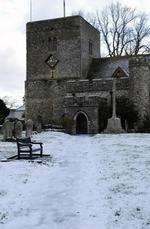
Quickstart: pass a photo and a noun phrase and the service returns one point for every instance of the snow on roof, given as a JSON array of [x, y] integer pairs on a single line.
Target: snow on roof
[[21, 108]]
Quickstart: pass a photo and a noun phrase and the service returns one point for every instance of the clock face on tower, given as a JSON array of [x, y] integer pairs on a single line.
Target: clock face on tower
[[51, 61]]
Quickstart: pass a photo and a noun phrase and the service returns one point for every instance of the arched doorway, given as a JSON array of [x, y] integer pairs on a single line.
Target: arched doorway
[[81, 123]]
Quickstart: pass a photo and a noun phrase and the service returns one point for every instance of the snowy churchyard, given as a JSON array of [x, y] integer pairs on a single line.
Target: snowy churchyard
[[99, 182]]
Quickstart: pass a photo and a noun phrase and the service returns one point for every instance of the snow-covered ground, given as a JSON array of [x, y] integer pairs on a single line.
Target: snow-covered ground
[[92, 182]]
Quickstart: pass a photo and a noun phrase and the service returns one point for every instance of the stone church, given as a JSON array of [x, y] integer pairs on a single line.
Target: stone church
[[67, 76]]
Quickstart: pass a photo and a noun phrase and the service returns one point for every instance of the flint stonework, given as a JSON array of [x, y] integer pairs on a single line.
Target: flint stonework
[[69, 78]]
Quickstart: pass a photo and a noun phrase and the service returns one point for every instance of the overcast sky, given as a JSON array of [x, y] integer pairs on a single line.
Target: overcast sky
[[13, 17]]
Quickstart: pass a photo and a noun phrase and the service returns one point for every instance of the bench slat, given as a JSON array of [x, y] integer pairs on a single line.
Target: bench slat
[[24, 145]]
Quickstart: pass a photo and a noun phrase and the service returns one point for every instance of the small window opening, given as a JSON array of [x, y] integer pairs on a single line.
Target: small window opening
[[90, 48], [53, 44]]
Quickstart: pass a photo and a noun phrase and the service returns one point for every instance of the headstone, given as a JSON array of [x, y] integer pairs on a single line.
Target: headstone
[[29, 128], [39, 127], [8, 128], [39, 124], [18, 129]]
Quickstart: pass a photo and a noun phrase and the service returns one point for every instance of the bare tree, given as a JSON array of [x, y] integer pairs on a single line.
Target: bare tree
[[140, 34], [10, 102], [124, 31]]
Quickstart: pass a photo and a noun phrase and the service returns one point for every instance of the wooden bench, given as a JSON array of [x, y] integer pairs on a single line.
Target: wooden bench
[[26, 148]]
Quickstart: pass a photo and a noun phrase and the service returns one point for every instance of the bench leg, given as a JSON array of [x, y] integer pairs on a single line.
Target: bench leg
[[41, 154], [30, 154]]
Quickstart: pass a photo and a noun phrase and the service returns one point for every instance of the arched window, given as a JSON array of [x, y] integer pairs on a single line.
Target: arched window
[[119, 73], [53, 44], [50, 41], [90, 47]]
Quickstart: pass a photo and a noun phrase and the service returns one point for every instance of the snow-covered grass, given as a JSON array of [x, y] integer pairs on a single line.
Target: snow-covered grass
[[92, 182]]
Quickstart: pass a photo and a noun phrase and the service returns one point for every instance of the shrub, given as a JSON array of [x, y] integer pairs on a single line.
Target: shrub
[[55, 121], [125, 109], [127, 112], [67, 124], [145, 125], [104, 114], [4, 111]]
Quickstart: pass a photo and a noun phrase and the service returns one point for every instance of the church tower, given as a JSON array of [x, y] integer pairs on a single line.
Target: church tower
[[57, 50]]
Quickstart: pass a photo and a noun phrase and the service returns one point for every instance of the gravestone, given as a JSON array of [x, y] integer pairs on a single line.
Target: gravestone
[[29, 128], [39, 127], [39, 124], [8, 128], [18, 129]]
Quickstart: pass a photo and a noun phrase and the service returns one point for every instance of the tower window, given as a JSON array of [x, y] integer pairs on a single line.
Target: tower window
[[53, 44], [90, 48], [50, 43]]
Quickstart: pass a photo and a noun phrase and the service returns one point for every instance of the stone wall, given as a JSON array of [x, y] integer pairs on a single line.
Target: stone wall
[[91, 113], [88, 34], [81, 98], [73, 35], [44, 94], [68, 91], [140, 83], [96, 85], [67, 32], [45, 98]]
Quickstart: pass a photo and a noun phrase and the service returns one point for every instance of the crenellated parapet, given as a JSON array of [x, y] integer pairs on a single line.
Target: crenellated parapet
[[96, 85], [82, 101], [141, 60]]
